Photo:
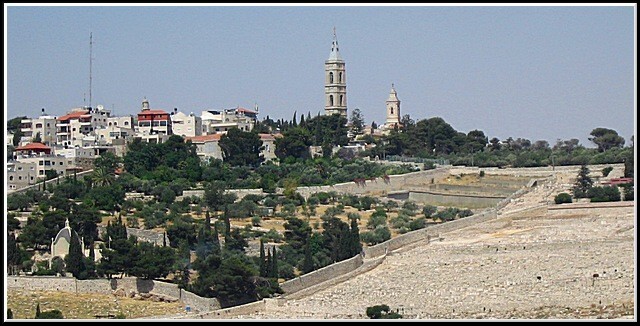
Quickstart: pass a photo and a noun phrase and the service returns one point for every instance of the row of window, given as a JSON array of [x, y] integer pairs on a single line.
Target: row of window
[[331, 78], [341, 103], [155, 123]]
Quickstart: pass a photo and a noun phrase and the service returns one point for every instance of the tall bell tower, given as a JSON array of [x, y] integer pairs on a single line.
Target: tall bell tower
[[393, 109], [335, 84]]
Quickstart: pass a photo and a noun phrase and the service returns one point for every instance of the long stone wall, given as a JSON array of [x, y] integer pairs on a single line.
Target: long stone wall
[[474, 201], [105, 286], [244, 309], [379, 185], [151, 236], [321, 275]]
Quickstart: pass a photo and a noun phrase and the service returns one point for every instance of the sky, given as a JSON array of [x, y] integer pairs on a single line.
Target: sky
[[534, 72]]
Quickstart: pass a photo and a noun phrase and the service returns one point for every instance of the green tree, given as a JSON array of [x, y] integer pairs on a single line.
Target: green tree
[[294, 143], [562, 198], [583, 183], [357, 121], [75, 259], [606, 139], [37, 138], [152, 262], [50, 314], [240, 148], [382, 312]]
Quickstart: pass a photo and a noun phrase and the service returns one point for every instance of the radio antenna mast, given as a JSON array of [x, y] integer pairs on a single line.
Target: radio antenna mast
[[90, 64]]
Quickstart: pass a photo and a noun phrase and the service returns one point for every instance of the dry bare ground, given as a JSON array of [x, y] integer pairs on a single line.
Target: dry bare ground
[[87, 306]]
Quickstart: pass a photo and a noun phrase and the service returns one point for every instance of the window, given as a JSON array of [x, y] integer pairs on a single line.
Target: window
[[340, 77], [38, 125], [126, 123], [341, 102], [11, 178], [391, 110], [19, 177], [330, 100], [331, 78]]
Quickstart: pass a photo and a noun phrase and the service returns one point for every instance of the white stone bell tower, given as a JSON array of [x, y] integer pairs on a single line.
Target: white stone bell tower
[[335, 85]]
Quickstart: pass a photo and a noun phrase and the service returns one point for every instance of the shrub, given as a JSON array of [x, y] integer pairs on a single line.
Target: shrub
[[603, 194], [380, 234], [255, 220], [562, 198], [429, 210], [606, 171], [382, 312], [50, 314], [627, 191]]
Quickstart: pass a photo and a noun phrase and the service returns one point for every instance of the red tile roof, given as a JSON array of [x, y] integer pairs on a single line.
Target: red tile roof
[[33, 147], [153, 112], [204, 138], [246, 110], [267, 137], [73, 115]]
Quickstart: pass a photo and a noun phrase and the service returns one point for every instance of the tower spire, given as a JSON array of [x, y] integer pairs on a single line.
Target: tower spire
[[335, 53]]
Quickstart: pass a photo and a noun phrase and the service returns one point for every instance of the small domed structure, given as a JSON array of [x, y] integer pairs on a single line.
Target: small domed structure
[[60, 244]]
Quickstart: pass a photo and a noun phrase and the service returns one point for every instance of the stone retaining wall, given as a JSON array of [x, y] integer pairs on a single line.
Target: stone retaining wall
[[321, 275], [105, 286]]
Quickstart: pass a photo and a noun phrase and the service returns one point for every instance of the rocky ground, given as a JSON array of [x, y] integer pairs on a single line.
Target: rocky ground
[[530, 263], [88, 306]]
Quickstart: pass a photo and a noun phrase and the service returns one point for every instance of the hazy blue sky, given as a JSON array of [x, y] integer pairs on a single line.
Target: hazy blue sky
[[532, 72]]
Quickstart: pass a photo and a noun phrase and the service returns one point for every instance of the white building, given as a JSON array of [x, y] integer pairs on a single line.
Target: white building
[[207, 146], [72, 127], [45, 125], [220, 121], [186, 125]]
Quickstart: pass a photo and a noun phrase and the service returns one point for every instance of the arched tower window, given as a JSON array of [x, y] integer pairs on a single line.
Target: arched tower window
[[331, 77], [341, 101], [330, 100], [392, 111], [340, 78]]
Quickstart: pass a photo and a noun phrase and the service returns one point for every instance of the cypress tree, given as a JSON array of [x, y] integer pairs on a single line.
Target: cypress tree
[[9, 314], [263, 263], [227, 224], [268, 264], [216, 239], [207, 221], [307, 263], [38, 311], [356, 246], [274, 264], [12, 252], [75, 259]]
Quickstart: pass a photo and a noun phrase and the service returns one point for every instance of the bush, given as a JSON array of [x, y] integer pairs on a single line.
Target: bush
[[418, 223], [627, 190], [429, 210], [606, 171], [603, 194], [380, 234], [50, 314], [562, 198], [382, 312]]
